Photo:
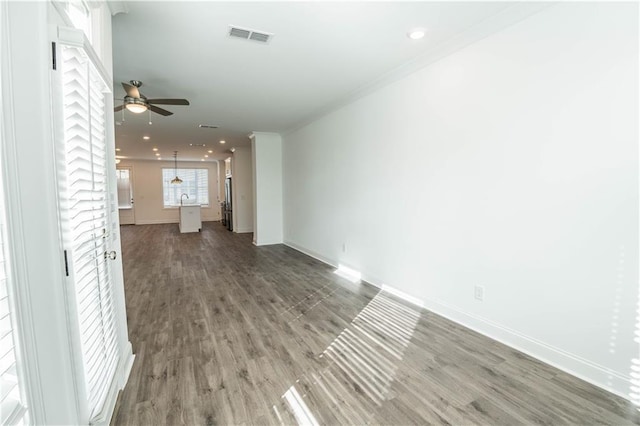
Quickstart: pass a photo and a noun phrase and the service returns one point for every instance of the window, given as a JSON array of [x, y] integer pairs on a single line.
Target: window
[[124, 188], [195, 183], [80, 15]]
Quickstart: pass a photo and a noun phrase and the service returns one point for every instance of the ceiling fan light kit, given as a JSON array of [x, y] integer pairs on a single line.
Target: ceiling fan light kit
[[138, 103], [134, 105]]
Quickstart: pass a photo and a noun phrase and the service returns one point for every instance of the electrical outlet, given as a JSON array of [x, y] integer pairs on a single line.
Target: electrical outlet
[[479, 293]]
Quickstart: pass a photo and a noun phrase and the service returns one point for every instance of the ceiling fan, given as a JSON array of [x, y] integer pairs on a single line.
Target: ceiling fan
[[137, 103]]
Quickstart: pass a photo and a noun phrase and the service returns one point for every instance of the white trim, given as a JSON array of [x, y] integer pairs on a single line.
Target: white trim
[[556, 357], [572, 364], [501, 20], [24, 327], [122, 375], [243, 230], [311, 253], [116, 7], [402, 295], [266, 243]]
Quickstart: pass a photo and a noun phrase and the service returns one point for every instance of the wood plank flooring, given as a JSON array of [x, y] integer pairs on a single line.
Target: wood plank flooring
[[227, 333]]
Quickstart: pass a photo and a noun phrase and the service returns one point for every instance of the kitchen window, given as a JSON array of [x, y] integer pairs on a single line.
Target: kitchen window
[[195, 183]]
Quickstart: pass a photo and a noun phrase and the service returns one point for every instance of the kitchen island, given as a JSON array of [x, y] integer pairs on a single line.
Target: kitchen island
[[190, 220]]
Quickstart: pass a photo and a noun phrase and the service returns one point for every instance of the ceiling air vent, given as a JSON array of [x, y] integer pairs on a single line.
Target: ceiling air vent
[[248, 34]]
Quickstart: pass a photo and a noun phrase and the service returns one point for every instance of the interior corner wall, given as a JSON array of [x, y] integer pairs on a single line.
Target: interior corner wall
[[147, 191], [242, 190], [511, 164]]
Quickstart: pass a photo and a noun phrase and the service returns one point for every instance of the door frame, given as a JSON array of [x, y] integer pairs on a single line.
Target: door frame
[[133, 205]]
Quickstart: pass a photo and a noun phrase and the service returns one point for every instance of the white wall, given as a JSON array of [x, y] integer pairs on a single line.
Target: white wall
[[147, 191], [510, 164], [242, 190], [266, 151]]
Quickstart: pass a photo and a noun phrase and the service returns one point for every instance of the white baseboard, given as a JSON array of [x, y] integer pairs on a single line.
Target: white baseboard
[[575, 365], [266, 243], [311, 253], [591, 372], [127, 366], [243, 230]]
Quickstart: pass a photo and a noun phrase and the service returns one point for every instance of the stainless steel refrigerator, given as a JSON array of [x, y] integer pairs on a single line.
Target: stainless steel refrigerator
[[228, 204]]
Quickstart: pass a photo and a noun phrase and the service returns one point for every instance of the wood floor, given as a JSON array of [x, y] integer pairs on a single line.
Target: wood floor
[[227, 333]]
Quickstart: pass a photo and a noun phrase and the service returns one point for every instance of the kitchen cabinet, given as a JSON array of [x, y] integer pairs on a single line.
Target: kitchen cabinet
[[190, 220]]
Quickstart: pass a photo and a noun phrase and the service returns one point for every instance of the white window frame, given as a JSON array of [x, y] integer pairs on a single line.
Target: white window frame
[[76, 38], [23, 326]]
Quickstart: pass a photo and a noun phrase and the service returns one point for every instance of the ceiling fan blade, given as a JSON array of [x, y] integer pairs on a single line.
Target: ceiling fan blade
[[131, 90], [118, 108], [159, 110], [169, 101]]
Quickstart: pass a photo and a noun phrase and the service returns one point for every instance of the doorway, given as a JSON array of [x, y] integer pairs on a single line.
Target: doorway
[[126, 210]]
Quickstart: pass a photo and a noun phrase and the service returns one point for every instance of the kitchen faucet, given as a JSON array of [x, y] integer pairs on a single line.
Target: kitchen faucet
[[181, 197]]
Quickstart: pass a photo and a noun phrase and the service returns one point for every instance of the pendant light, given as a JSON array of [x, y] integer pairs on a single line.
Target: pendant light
[[176, 180]]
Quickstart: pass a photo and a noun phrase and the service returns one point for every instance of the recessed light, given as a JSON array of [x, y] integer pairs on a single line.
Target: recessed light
[[118, 149], [146, 138], [202, 159], [155, 149], [206, 156], [210, 152], [416, 33], [157, 154], [159, 158], [222, 142]]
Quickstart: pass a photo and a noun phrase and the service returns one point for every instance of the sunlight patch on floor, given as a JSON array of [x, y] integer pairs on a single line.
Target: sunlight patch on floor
[[370, 348], [303, 415]]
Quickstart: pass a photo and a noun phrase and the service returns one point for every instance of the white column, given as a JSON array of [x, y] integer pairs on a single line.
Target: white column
[[267, 176]]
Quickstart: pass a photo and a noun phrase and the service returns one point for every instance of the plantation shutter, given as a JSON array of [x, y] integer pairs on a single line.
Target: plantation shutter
[[85, 220]]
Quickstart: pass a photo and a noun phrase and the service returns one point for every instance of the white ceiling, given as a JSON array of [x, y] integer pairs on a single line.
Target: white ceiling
[[321, 54]]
